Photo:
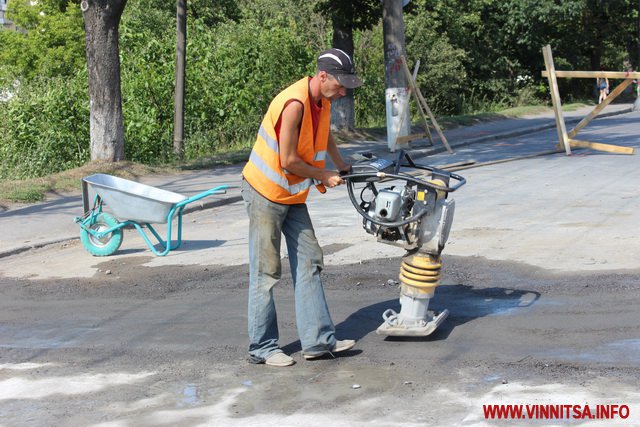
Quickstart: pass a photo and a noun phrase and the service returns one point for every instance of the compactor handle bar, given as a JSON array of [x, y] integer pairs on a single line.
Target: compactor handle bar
[[383, 176], [379, 176]]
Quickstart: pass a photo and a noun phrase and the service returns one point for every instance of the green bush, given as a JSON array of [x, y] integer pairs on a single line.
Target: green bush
[[44, 127], [50, 42], [369, 99], [442, 78], [147, 51], [233, 71]]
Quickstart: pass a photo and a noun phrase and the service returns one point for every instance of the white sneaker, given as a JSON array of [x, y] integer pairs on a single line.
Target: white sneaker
[[279, 359], [341, 345]]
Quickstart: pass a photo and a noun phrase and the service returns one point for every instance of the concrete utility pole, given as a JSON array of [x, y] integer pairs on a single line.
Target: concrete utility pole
[[396, 94], [181, 51]]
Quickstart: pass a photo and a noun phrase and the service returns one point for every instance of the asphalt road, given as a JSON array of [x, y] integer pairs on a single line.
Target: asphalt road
[[540, 276]]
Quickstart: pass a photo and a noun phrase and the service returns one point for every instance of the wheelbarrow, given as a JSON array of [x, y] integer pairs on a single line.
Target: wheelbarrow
[[132, 204]]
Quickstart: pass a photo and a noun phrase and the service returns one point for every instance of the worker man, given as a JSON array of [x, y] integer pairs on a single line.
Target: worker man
[[287, 159]]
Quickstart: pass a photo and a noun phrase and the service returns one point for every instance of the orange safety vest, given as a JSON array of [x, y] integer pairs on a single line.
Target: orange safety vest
[[264, 171]]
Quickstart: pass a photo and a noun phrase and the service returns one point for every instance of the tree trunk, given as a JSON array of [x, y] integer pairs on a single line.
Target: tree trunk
[[101, 22], [342, 110]]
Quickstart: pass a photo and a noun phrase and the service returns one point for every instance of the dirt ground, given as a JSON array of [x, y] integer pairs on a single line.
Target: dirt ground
[[135, 345]]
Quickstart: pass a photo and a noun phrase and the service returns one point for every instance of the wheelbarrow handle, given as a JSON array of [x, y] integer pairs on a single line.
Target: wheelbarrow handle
[[221, 189]]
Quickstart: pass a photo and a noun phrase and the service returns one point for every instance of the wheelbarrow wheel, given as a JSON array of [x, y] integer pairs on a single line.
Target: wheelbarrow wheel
[[108, 244]]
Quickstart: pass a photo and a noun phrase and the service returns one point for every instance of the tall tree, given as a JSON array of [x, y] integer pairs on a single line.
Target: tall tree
[[101, 22], [347, 16]]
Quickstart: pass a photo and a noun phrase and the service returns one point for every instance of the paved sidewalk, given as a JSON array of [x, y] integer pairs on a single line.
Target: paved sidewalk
[[49, 222]]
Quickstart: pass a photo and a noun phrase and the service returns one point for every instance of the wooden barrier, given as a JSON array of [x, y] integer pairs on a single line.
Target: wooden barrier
[[566, 139]]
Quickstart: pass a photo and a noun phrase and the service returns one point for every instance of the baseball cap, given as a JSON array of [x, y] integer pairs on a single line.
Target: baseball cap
[[337, 63]]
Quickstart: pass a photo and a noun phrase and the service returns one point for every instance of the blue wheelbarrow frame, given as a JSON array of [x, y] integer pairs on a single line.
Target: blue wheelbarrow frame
[[133, 204]]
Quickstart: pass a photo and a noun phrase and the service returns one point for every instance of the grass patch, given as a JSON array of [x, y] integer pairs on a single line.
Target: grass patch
[[35, 189], [26, 194], [452, 122], [574, 106], [516, 112]]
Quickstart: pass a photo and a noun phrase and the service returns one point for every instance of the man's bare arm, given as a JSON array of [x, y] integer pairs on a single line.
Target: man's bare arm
[[289, 158]]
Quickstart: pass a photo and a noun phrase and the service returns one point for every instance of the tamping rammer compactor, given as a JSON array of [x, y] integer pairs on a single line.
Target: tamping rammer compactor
[[414, 213]]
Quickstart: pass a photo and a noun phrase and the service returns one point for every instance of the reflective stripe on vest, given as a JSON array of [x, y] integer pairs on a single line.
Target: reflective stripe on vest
[[320, 156], [271, 143], [277, 178]]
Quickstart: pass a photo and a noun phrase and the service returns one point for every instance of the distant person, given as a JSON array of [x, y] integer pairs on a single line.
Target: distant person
[[627, 65], [628, 68], [603, 87], [288, 158]]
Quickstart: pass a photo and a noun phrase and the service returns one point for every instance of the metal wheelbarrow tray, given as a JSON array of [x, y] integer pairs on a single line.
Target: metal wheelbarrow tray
[[131, 203]]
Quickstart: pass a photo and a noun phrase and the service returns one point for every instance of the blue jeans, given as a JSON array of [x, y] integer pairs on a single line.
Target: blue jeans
[[267, 222]]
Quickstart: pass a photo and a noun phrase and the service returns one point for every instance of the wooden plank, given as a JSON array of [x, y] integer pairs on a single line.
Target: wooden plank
[[426, 125], [608, 100], [601, 147], [409, 138], [423, 114], [422, 101], [412, 85], [435, 123], [563, 138], [595, 74], [461, 164]]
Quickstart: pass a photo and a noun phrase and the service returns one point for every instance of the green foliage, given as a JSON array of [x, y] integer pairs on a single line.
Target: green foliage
[[147, 61], [45, 124], [212, 13], [359, 14], [50, 41], [236, 76], [442, 76], [233, 71], [369, 99], [44, 127]]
